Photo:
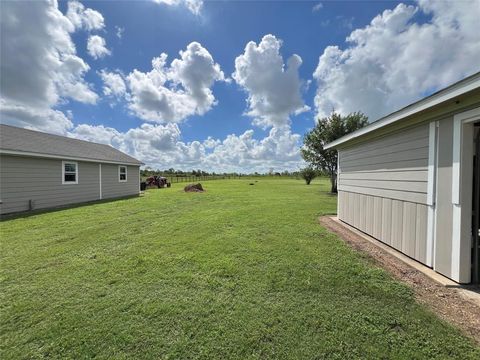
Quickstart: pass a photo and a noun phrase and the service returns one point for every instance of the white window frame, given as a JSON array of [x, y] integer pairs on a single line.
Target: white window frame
[[126, 173], [63, 173]]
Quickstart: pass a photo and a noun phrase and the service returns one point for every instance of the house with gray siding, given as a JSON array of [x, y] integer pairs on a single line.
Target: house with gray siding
[[39, 170], [411, 180]]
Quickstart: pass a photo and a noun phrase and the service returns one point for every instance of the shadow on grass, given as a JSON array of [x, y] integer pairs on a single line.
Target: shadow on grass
[[29, 213]]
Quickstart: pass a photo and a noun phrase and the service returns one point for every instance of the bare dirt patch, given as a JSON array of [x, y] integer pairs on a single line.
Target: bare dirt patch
[[447, 302]]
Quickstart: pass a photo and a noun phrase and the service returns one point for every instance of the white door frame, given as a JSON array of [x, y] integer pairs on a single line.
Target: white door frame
[[462, 177]]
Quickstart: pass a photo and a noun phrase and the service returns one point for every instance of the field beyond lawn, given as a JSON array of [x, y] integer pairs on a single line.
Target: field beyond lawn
[[237, 272]]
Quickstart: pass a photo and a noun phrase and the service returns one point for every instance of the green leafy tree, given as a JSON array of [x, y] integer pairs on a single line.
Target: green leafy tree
[[325, 131], [308, 174]]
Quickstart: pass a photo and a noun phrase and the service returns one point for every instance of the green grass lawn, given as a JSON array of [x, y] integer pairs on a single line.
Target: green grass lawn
[[238, 272]]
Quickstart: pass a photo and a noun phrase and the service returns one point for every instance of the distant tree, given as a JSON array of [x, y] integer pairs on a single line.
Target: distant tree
[[325, 131], [308, 174]]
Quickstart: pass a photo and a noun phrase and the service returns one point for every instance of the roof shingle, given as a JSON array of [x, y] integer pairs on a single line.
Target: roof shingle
[[28, 141]]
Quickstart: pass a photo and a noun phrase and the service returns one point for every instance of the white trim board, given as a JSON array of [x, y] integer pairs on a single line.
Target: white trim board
[[431, 192]]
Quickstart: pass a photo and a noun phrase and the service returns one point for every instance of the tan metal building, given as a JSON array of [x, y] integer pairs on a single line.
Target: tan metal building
[[411, 180]]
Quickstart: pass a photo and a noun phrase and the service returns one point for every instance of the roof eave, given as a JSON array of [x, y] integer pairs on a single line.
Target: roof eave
[[53, 156], [460, 88]]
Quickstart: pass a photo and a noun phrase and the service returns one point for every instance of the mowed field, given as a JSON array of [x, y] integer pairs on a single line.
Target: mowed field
[[237, 272]]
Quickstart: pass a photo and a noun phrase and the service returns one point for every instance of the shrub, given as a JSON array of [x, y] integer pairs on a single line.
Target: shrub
[[308, 174]]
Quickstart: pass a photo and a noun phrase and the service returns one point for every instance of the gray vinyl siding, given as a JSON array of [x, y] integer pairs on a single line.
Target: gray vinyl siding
[[382, 187], [39, 179], [393, 166], [112, 188]]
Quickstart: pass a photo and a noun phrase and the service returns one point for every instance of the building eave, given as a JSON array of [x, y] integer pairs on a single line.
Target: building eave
[[449, 93], [66, 157]]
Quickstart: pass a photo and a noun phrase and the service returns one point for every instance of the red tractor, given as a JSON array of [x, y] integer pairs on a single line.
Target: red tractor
[[157, 181]]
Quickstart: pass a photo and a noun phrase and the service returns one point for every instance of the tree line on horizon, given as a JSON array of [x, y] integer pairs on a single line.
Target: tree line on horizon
[[148, 171], [321, 162]]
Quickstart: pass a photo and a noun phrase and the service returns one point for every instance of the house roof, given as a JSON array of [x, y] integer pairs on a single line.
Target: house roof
[[451, 92], [18, 141]]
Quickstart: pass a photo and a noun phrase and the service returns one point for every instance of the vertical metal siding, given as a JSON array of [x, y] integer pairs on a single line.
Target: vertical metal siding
[[400, 224]]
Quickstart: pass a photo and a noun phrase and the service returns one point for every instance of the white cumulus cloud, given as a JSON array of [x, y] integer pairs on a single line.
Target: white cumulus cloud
[[97, 47], [85, 18], [113, 83], [39, 67], [195, 6], [35, 118], [394, 60], [173, 93], [273, 88], [161, 146]]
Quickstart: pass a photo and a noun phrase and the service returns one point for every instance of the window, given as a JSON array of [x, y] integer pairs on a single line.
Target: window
[[69, 172], [122, 173]]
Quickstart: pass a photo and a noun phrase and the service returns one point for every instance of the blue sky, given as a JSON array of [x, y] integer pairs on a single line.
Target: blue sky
[[397, 53], [224, 28]]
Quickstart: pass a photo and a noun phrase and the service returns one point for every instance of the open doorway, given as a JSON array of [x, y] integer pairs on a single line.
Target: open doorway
[[464, 243], [476, 207]]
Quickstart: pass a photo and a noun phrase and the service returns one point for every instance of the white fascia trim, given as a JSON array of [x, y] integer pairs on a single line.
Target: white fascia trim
[[126, 173], [63, 173], [449, 93], [49, 156]]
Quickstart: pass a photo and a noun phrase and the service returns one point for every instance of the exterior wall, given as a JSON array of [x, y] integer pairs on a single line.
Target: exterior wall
[[400, 224], [382, 187], [112, 188], [23, 179]]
